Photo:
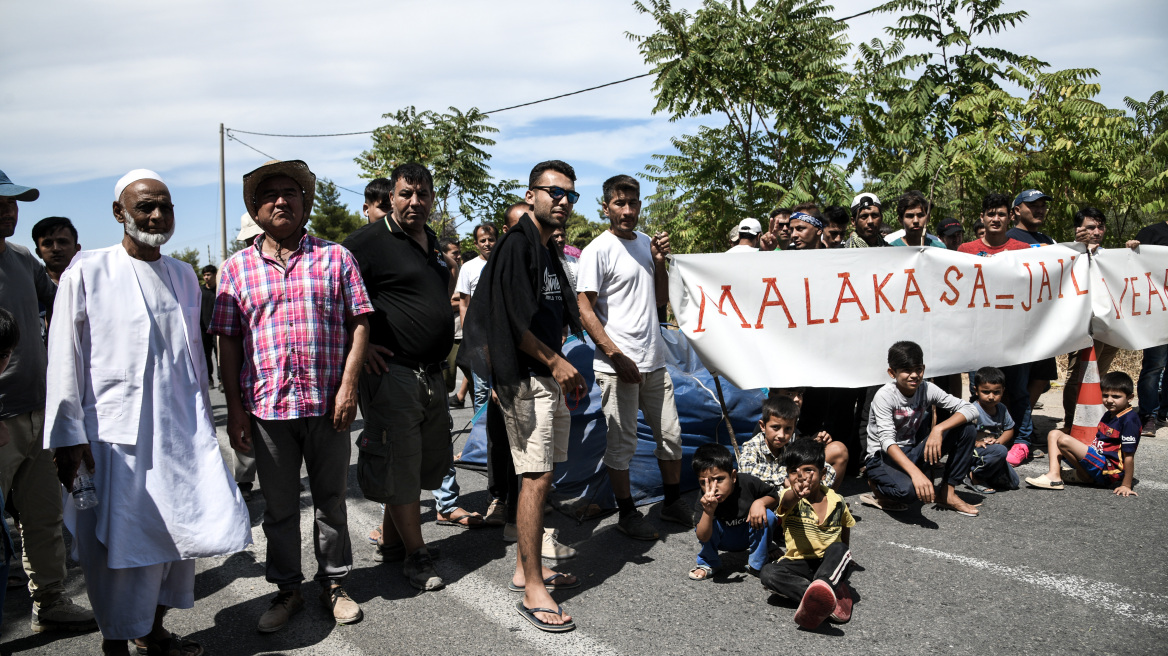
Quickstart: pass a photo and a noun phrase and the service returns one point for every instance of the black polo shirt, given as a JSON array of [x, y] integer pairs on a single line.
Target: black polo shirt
[[409, 289]]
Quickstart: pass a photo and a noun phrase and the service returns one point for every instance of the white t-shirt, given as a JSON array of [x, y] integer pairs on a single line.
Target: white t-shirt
[[468, 276], [740, 248], [620, 271]]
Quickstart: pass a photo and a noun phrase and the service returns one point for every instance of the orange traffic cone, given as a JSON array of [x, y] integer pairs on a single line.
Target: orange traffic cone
[[1089, 406]]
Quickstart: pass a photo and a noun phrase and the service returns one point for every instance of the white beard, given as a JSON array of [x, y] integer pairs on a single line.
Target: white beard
[[145, 238]]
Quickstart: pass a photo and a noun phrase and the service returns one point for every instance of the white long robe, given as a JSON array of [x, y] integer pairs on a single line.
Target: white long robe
[[165, 493]]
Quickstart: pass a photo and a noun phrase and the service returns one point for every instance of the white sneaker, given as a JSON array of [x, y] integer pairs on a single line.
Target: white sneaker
[[553, 549]]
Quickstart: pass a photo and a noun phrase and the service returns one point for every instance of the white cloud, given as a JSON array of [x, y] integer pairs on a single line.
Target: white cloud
[[91, 90]]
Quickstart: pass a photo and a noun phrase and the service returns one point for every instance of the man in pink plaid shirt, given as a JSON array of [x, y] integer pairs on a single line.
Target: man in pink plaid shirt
[[290, 311]]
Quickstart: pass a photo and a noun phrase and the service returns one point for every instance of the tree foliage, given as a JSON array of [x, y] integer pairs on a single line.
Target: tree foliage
[[190, 256], [935, 108], [452, 146], [774, 72], [331, 219]]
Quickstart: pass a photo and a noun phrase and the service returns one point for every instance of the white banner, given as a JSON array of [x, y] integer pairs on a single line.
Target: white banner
[[827, 317], [1129, 296]]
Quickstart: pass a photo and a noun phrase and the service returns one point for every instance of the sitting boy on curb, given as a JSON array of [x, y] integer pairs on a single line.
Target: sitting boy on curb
[[901, 438], [995, 431], [734, 513], [1110, 461], [837, 453], [762, 455], [816, 528]]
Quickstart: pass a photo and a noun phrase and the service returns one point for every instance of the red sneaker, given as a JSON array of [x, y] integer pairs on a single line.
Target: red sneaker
[[843, 605], [1017, 454], [818, 602]]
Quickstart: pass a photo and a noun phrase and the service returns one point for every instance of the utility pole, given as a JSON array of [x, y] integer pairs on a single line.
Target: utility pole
[[222, 200]]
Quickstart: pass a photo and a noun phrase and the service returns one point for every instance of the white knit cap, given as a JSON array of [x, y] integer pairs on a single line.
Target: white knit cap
[[132, 177]]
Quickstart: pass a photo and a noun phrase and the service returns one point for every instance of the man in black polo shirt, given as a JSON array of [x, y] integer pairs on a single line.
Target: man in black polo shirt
[[402, 394]]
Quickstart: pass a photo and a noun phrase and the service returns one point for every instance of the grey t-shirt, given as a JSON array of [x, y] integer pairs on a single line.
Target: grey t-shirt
[[895, 418], [23, 282]]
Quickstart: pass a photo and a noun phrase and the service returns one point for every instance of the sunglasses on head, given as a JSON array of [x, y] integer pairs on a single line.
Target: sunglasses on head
[[558, 192]]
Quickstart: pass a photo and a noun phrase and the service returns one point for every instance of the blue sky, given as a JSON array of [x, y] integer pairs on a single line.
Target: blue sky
[[92, 90]]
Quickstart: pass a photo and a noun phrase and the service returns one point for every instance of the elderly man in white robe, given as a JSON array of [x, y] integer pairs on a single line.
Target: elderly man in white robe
[[128, 398]]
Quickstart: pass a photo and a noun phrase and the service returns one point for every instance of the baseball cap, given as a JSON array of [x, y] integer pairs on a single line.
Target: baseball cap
[[866, 199], [750, 227], [1028, 196], [949, 227], [18, 192]]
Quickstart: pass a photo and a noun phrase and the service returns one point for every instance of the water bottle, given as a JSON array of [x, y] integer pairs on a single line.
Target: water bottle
[[84, 494]]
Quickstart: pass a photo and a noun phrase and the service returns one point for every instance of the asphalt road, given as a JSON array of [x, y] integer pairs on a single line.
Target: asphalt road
[[1079, 571]]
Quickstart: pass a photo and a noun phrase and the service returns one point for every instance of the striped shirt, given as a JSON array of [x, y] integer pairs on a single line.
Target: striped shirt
[[758, 461], [292, 321], [805, 536]]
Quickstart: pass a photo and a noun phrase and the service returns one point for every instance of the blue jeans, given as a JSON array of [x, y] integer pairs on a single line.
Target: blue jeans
[[990, 467], [446, 496], [1152, 393], [738, 538], [1018, 401]]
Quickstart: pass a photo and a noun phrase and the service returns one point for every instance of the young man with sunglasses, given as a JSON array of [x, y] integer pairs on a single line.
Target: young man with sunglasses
[[622, 282], [514, 334]]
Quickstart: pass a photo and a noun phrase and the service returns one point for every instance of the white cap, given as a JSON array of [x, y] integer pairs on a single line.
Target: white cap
[[132, 177], [750, 227], [865, 199], [247, 228]]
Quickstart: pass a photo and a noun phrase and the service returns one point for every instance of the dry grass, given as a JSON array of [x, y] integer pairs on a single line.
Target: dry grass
[[1126, 361]]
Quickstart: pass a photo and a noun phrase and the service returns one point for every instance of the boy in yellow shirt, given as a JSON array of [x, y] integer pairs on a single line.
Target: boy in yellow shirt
[[816, 528]]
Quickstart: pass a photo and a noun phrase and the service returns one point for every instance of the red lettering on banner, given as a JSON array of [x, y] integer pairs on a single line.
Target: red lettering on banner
[[807, 299], [855, 298], [879, 291], [1152, 290], [1030, 290], [915, 291], [770, 283], [721, 301], [978, 283], [1060, 278], [1004, 297], [1114, 306], [1045, 283], [1075, 281], [956, 294], [1135, 295]]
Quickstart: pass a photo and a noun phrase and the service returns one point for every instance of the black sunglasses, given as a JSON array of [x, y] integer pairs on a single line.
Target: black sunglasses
[[557, 193]]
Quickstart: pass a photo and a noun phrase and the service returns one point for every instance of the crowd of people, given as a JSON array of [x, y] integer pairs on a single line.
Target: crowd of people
[[106, 367]]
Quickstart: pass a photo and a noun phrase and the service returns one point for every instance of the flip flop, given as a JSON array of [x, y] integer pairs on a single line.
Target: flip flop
[[980, 489], [708, 572], [885, 505], [174, 642], [465, 520], [547, 583], [1044, 483], [375, 536], [529, 615]]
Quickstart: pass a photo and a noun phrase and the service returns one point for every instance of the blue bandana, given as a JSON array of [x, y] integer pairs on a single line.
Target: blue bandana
[[807, 218]]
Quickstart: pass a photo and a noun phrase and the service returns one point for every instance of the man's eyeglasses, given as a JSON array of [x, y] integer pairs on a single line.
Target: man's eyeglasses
[[557, 193]]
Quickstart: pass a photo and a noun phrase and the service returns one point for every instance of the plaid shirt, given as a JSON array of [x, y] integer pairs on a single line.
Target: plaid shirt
[[758, 461], [293, 324]]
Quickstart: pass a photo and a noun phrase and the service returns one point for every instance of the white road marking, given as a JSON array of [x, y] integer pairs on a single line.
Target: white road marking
[[493, 600], [1100, 594]]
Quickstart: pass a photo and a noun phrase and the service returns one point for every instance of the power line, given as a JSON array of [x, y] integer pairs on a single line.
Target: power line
[[247, 145], [502, 109]]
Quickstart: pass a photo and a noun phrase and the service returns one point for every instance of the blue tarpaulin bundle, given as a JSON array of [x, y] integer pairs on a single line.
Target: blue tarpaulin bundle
[[583, 478]]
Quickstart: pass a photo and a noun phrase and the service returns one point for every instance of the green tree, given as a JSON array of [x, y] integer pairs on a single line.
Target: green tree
[[903, 110], [331, 219], [450, 145], [190, 256], [774, 71]]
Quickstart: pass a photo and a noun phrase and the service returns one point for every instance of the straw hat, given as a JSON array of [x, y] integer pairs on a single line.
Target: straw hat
[[294, 168]]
